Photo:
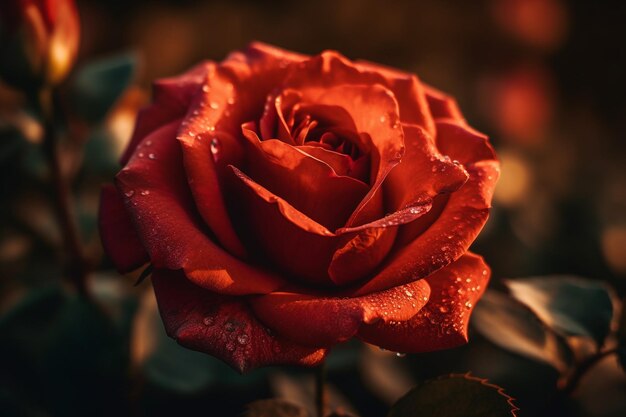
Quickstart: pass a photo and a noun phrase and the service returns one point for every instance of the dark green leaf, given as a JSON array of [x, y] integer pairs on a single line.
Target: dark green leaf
[[455, 396], [99, 84], [275, 408], [512, 326], [59, 350], [621, 337], [570, 305]]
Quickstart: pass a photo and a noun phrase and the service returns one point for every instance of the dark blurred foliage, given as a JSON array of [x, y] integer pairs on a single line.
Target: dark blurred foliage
[[543, 78]]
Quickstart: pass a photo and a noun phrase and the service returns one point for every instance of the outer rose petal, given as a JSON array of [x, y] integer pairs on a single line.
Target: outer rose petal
[[448, 238], [442, 106], [461, 142], [207, 149], [162, 208], [223, 326], [318, 319], [443, 322], [117, 232], [170, 101], [409, 91]]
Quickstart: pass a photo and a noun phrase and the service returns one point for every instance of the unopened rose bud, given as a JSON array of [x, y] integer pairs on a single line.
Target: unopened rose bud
[[38, 41]]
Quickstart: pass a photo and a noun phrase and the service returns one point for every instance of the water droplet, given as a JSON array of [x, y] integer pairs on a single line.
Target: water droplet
[[208, 320], [214, 105], [215, 147], [231, 100], [383, 119], [443, 309], [148, 143], [141, 154], [145, 192], [152, 156], [468, 304], [434, 168], [206, 88], [400, 354], [129, 193], [408, 293], [243, 339]]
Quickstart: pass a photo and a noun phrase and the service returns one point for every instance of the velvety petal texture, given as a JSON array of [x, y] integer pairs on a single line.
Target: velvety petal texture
[[288, 203], [223, 326]]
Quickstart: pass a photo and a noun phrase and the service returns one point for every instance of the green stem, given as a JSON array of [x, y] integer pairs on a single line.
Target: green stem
[[77, 266], [320, 390]]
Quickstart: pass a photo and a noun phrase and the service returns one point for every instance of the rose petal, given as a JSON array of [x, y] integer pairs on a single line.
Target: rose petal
[[375, 112], [410, 188], [330, 319], [207, 149], [284, 236], [442, 106], [163, 211], [408, 90], [361, 255], [308, 184], [171, 97], [450, 235], [117, 232], [223, 326], [443, 322], [423, 172], [330, 78], [461, 142]]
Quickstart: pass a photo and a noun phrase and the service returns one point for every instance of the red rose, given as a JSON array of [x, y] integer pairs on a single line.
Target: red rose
[[288, 203], [38, 41]]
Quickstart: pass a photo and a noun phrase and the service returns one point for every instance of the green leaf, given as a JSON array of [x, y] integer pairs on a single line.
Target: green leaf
[[53, 344], [455, 396], [275, 408], [99, 84], [512, 326], [621, 337], [570, 305]]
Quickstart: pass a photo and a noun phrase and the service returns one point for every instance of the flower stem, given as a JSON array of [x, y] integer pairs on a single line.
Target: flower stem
[[569, 385], [77, 266], [320, 391]]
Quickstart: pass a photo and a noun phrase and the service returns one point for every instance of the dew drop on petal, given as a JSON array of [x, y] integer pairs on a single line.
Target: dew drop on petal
[[145, 192], [215, 148], [243, 339], [400, 354], [151, 156], [129, 193]]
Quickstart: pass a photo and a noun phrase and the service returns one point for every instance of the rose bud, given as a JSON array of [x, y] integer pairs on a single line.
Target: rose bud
[[288, 203], [38, 41]]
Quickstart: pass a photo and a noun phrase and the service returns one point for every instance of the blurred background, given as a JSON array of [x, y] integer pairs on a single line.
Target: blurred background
[[545, 79]]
